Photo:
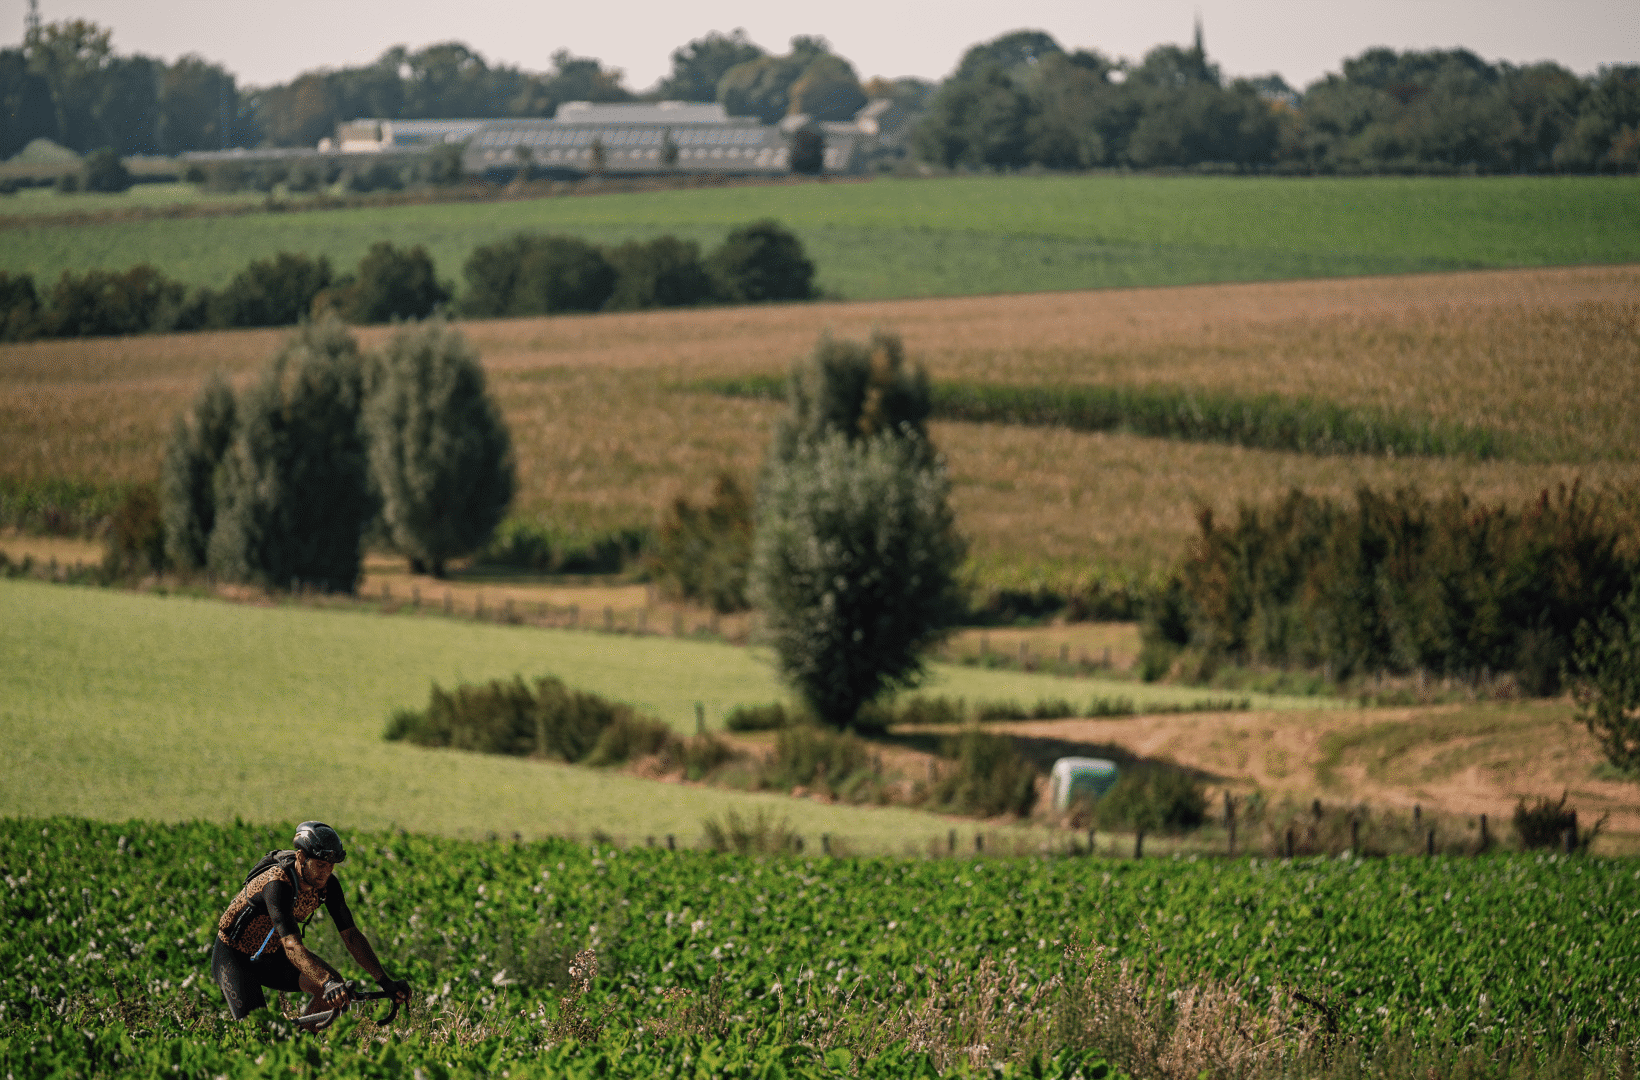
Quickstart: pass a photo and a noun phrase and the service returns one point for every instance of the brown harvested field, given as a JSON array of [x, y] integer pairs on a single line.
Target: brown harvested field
[[1450, 760], [605, 436]]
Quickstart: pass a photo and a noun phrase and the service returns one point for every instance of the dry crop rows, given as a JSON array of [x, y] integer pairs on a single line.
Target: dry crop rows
[[605, 435]]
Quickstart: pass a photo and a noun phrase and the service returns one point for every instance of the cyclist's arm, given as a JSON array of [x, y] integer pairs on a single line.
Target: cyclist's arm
[[358, 946], [279, 897]]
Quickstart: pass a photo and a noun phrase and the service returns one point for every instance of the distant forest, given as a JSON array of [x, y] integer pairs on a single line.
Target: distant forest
[[1018, 101]]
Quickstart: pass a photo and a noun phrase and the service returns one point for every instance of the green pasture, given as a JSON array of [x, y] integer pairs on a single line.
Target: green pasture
[[116, 705], [889, 238]]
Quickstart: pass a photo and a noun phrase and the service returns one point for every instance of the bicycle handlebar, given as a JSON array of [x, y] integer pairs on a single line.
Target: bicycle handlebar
[[355, 993]]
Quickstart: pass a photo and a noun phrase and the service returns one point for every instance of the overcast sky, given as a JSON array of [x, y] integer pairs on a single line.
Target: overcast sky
[[267, 41]]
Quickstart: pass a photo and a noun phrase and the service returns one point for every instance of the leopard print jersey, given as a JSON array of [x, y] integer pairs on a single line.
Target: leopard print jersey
[[255, 932]]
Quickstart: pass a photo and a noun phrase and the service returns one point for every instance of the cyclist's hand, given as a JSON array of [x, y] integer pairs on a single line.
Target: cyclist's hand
[[399, 988], [335, 994]]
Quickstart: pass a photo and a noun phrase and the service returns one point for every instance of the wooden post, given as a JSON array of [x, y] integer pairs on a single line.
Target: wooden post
[[979, 843], [1429, 842], [951, 839], [1024, 656], [1090, 840], [449, 603], [1289, 841], [1139, 844], [671, 842], [1355, 836], [700, 719], [1486, 840], [609, 618], [478, 605], [825, 843], [1230, 823]]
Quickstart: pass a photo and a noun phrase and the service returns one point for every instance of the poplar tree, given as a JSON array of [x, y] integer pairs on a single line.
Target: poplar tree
[[293, 495], [440, 452], [199, 441]]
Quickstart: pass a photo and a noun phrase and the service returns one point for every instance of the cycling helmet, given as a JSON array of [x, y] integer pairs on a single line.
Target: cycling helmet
[[319, 841]]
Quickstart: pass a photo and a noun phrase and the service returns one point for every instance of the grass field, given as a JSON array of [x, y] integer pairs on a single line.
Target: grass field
[[956, 236], [117, 704], [606, 434]]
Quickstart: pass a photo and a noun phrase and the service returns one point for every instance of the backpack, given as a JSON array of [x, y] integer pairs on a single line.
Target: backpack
[[286, 861]]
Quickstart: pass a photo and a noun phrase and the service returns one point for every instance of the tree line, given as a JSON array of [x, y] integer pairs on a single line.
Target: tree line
[[526, 274], [1018, 101]]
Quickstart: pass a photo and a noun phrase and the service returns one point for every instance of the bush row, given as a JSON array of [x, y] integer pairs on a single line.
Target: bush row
[[552, 722], [1259, 421], [523, 275], [1398, 582], [531, 274], [390, 283]]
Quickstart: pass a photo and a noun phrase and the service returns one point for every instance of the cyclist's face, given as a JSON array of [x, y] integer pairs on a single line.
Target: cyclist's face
[[316, 872]]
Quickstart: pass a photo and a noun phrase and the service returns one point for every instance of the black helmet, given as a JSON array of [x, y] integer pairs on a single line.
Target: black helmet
[[319, 841]]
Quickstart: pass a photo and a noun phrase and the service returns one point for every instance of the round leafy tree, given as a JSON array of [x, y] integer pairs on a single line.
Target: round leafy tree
[[760, 262], [439, 449], [854, 566], [293, 495]]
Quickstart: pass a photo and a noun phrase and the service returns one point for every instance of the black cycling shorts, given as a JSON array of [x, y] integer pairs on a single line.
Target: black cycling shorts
[[242, 979]]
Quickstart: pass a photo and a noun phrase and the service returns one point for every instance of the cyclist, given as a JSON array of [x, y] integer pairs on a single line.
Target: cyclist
[[259, 939]]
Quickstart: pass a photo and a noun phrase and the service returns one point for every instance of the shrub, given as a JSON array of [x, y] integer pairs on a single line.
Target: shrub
[[136, 533], [103, 171], [759, 718], [629, 736], [188, 479], [1605, 672], [536, 275], [390, 284], [550, 721], [811, 756], [1153, 799], [272, 292], [664, 272], [294, 493], [1544, 823], [440, 453], [991, 777], [761, 262], [526, 545], [854, 566], [855, 389], [19, 307], [704, 553], [107, 302]]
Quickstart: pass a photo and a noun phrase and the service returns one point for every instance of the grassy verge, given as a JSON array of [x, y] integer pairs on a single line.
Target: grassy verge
[[118, 704]]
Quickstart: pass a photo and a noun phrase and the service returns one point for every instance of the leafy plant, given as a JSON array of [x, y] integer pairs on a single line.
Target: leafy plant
[[704, 552], [1605, 675]]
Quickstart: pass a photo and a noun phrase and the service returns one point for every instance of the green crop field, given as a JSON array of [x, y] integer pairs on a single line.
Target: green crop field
[[116, 704], [717, 965], [958, 236]]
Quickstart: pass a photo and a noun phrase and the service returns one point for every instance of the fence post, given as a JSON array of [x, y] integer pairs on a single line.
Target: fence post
[[449, 603], [700, 719], [979, 843], [609, 618], [671, 842], [1486, 841], [1139, 844], [1429, 842], [1090, 840], [825, 843], [1355, 836], [1289, 841]]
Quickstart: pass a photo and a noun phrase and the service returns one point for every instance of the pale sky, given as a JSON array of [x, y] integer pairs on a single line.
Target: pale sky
[[265, 42]]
